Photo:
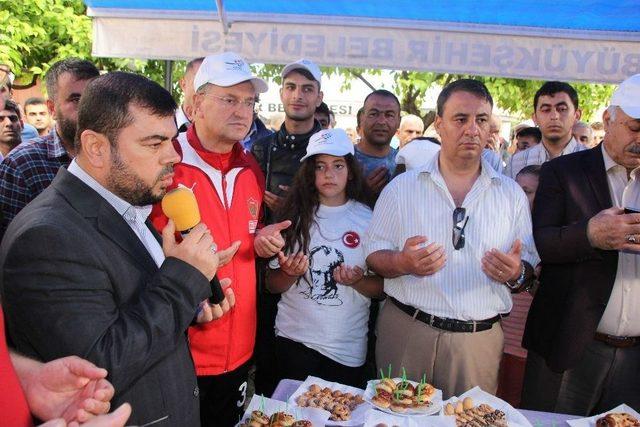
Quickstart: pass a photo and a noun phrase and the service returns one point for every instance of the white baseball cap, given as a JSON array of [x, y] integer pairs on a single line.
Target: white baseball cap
[[627, 96], [334, 142], [303, 64], [226, 69]]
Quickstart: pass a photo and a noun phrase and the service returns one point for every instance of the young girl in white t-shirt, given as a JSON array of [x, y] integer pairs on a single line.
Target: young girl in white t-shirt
[[321, 325]]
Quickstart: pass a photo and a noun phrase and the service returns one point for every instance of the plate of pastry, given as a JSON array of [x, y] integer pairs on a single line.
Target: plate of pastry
[[403, 397], [620, 416], [345, 404], [265, 412], [477, 408], [382, 419]]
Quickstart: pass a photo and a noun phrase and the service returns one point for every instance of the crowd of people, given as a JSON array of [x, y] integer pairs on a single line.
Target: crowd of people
[[450, 257]]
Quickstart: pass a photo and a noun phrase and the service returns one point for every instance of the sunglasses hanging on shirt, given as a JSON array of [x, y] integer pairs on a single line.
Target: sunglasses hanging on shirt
[[460, 219]]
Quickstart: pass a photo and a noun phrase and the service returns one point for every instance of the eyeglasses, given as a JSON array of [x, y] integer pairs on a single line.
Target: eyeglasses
[[233, 103], [459, 217]]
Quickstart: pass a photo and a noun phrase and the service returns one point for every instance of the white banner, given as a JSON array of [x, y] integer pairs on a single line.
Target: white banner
[[527, 57]]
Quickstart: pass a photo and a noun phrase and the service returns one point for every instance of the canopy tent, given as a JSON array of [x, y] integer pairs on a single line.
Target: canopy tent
[[573, 40]]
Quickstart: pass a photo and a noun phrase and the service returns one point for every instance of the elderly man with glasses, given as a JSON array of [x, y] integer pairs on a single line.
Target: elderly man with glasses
[[453, 239], [229, 187]]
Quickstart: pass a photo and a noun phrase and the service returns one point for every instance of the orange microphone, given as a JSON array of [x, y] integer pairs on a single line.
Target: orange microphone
[[181, 206]]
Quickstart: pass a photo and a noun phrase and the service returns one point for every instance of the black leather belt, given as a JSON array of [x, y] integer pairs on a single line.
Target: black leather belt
[[619, 342], [452, 325]]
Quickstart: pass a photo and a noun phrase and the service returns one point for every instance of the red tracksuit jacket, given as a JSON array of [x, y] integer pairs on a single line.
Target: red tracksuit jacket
[[229, 190]]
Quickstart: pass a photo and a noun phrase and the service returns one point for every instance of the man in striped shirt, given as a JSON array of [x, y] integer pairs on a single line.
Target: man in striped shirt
[[556, 110], [451, 238]]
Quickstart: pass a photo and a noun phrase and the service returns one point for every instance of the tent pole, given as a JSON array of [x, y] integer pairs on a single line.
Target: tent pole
[[168, 75], [223, 17]]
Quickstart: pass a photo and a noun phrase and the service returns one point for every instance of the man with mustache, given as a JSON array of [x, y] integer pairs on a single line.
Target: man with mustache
[[583, 329], [556, 110], [452, 239], [32, 166], [379, 123], [83, 272], [9, 127]]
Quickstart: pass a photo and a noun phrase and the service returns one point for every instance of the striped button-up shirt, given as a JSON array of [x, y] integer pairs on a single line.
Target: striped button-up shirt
[[537, 155], [419, 203]]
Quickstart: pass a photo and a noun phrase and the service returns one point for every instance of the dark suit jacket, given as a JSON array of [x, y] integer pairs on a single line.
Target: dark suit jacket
[[76, 280], [576, 279]]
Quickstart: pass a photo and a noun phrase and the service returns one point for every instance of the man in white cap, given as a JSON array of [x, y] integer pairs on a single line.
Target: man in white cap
[[279, 157], [229, 187], [583, 330]]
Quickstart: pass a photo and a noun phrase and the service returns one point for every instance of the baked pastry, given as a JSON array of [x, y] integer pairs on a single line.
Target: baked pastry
[[259, 417], [281, 418], [481, 416], [621, 419], [302, 423], [338, 403]]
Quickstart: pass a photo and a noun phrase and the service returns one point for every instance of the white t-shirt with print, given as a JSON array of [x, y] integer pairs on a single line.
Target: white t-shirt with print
[[318, 312]]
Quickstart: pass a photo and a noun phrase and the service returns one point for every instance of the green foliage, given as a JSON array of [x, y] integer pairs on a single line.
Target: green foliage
[[37, 33]]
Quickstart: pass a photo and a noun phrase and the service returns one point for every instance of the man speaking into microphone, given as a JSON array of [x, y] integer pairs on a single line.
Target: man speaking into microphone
[[229, 186], [83, 274]]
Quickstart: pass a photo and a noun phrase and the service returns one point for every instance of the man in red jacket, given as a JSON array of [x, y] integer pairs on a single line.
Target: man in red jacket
[[229, 187]]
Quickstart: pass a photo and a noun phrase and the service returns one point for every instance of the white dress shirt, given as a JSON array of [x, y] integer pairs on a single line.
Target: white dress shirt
[[537, 155], [622, 315], [418, 152], [181, 118], [419, 203], [135, 216]]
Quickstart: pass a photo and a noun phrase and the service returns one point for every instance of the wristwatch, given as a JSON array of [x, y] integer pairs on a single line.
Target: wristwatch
[[519, 281]]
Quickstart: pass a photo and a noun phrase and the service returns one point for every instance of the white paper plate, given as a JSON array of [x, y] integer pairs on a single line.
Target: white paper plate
[[357, 415], [479, 396], [318, 417], [591, 421], [436, 401], [375, 418]]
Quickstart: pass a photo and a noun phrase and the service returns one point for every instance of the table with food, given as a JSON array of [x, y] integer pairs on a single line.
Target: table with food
[[403, 402]]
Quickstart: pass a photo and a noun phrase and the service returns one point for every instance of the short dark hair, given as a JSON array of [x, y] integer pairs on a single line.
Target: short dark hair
[[33, 101], [12, 106], [384, 93], [530, 170], [323, 108], [104, 106], [551, 88], [530, 131], [474, 87], [192, 64], [81, 69]]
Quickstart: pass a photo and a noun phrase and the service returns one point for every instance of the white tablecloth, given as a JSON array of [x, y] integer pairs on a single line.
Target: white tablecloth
[[537, 419]]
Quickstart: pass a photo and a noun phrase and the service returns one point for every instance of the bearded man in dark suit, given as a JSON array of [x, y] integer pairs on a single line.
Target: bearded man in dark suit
[[83, 273]]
